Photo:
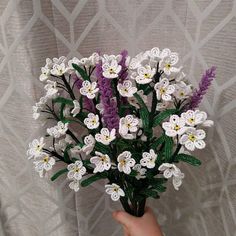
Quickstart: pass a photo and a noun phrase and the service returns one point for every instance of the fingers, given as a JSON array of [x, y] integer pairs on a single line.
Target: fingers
[[123, 218]]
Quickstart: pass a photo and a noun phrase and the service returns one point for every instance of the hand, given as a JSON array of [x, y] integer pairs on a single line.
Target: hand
[[138, 226]]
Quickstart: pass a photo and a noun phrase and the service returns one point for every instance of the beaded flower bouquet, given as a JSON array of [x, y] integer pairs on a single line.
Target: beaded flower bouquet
[[127, 120]]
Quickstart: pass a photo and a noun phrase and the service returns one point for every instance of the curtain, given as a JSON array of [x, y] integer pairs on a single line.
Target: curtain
[[204, 34]]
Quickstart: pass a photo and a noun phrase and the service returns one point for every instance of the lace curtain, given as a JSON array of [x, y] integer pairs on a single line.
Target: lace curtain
[[204, 34]]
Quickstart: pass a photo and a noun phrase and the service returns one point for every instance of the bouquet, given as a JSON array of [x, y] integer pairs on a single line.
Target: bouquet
[[127, 120]]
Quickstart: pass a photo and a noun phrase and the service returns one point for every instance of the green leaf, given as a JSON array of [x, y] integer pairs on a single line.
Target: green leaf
[[162, 116], [66, 154], [61, 111], [102, 148], [81, 72], [92, 179], [144, 115], [168, 148], [59, 173], [157, 142], [63, 100], [188, 159]]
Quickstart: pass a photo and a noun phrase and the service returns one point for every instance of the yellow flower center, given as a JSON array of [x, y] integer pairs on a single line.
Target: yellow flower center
[[93, 121], [38, 148], [45, 159], [147, 76], [111, 71], [123, 162], [168, 65], [177, 127], [77, 169], [115, 189], [162, 90], [181, 94], [191, 120], [192, 137]]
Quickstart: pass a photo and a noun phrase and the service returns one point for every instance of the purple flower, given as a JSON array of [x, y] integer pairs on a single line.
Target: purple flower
[[204, 84], [87, 103], [110, 113]]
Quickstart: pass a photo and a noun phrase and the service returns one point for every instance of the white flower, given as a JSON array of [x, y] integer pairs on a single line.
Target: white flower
[[193, 138], [74, 60], [109, 58], [51, 88], [89, 143], [44, 163], [126, 89], [170, 170], [106, 137], [36, 114], [76, 109], [161, 106], [182, 90], [92, 121], [111, 69], [175, 126], [35, 148], [128, 124], [74, 185], [164, 90], [149, 159], [115, 191], [62, 144], [59, 60], [45, 74], [145, 74], [76, 170], [125, 162], [100, 107], [89, 89], [101, 161], [133, 101], [58, 130], [140, 171], [59, 69], [193, 118], [169, 59]]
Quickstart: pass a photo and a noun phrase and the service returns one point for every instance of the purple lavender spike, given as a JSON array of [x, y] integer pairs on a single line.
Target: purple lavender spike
[[110, 113], [204, 84]]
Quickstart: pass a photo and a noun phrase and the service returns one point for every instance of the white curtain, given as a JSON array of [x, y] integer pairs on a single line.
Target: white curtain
[[204, 34]]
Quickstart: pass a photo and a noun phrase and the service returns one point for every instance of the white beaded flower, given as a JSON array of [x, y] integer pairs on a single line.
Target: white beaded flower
[[92, 121], [89, 143], [76, 170], [74, 185], [101, 161], [193, 138], [89, 89], [126, 89], [115, 191], [175, 126], [58, 130], [111, 69], [59, 69], [106, 136], [182, 90], [128, 124], [145, 74], [45, 74], [169, 59], [140, 171], [44, 163], [193, 118], [35, 148], [170, 170], [164, 90], [148, 159], [51, 89], [76, 109], [125, 162]]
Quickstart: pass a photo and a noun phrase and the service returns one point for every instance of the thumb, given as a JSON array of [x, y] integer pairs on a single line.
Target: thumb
[[123, 218]]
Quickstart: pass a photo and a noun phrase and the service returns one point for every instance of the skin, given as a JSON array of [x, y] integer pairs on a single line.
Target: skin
[[138, 226]]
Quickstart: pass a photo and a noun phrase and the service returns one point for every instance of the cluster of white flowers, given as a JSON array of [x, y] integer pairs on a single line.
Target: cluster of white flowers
[[58, 130], [129, 126], [185, 126], [75, 172], [42, 161]]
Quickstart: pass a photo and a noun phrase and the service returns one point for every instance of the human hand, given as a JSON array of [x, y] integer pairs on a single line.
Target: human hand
[[138, 226]]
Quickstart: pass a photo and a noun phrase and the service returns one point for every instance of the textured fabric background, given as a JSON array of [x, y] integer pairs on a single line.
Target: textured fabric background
[[204, 34]]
